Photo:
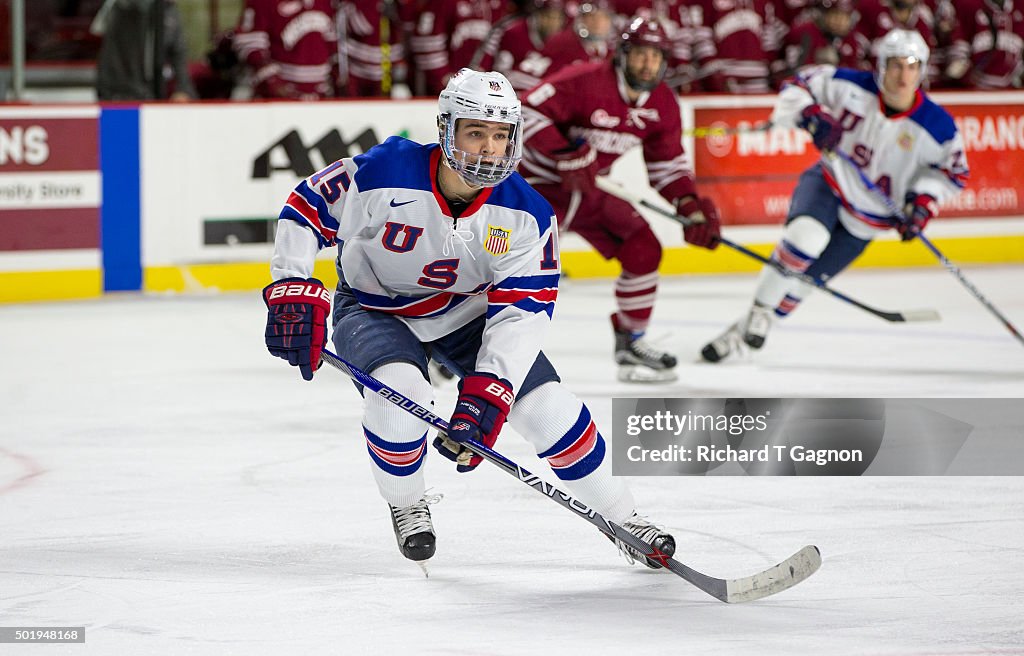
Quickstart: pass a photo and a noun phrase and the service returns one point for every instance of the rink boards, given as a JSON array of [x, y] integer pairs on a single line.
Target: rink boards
[[162, 197]]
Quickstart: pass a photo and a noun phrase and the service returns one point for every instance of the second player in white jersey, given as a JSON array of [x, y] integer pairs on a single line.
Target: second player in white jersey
[[884, 144], [917, 150]]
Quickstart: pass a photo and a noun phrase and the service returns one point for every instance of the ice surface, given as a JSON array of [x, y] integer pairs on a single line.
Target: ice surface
[[168, 485]]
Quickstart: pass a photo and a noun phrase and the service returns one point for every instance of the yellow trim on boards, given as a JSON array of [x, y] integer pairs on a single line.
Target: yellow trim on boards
[[242, 276], [22, 286], [879, 254]]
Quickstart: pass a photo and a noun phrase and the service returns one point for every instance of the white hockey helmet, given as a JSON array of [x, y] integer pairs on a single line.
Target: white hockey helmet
[[899, 44], [486, 97]]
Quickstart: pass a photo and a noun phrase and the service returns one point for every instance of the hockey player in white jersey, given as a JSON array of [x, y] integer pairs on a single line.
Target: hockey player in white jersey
[[906, 144], [444, 252]]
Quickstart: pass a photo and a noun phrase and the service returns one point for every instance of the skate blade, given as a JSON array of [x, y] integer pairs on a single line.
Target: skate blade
[[423, 566], [635, 373]]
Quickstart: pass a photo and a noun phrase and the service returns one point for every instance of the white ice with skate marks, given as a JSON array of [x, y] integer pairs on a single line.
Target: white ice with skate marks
[[194, 495]]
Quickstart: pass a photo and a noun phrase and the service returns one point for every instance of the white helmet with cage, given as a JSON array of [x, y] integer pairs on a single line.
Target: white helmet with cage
[[900, 44], [487, 97]]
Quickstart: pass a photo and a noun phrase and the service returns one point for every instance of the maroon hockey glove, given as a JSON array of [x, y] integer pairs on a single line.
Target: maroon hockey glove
[[297, 312], [825, 130], [705, 229], [578, 167], [484, 403], [919, 210]]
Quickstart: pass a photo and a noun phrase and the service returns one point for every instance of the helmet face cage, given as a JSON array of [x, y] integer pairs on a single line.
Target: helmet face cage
[[483, 97], [643, 32], [476, 170], [900, 44]]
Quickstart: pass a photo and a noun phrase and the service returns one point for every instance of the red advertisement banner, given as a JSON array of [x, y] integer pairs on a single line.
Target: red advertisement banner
[[751, 174], [994, 140], [48, 144]]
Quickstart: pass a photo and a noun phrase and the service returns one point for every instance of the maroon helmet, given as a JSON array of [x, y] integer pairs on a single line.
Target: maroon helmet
[[648, 32]]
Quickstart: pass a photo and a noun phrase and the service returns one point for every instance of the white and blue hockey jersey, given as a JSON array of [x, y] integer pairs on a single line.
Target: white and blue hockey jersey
[[918, 150], [402, 253]]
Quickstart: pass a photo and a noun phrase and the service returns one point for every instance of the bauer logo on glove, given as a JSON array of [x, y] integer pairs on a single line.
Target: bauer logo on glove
[[297, 322], [290, 289]]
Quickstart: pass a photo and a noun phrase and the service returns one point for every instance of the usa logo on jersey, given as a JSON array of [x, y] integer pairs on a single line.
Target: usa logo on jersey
[[497, 240]]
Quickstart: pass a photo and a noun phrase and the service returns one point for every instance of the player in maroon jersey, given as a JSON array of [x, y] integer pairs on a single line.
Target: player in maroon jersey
[[576, 124], [444, 35], [290, 46], [373, 55], [828, 38], [734, 44], [518, 39], [678, 18], [588, 39], [996, 32]]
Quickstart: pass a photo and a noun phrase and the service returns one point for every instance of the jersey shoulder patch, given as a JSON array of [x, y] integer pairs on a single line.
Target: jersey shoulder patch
[[515, 193]]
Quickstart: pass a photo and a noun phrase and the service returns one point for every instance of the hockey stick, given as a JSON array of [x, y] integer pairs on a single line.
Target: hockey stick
[[911, 315], [775, 579], [897, 211]]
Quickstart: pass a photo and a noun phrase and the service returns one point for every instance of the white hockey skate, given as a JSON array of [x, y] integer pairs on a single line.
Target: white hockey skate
[[729, 343], [414, 529], [756, 325], [749, 332], [649, 532], [639, 361]]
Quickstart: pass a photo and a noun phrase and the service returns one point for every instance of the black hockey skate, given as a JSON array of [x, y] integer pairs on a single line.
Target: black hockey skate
[[650, 533], [638, 360], [413, 529]]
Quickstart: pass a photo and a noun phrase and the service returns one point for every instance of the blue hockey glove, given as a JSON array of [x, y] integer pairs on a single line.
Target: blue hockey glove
[[825, 130], [918, 212], [297, 312], [484, 403]]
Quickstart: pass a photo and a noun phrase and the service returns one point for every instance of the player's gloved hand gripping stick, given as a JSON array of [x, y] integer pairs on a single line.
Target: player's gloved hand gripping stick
[[483, 405], [912, 225], [614, 189], [775, 579]]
